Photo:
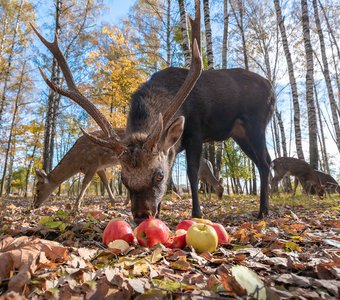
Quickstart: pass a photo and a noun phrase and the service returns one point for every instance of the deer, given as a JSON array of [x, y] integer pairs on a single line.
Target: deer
[[206, 175], [86, 157], [285, 166], [175, 110], [330, 185], [89, 158]]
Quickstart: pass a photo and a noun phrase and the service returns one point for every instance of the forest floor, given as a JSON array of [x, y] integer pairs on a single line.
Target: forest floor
[[293, 254]]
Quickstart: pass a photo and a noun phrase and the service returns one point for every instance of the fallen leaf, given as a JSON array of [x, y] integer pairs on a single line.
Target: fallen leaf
[[250, 281]]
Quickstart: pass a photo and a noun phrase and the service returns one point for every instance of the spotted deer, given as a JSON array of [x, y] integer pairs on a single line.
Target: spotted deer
[[179, 109], [84, 157], [289, 166]]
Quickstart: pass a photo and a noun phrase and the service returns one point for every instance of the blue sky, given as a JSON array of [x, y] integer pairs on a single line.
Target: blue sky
[[117, 9]]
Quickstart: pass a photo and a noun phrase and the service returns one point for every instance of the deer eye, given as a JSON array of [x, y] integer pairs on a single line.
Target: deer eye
[[159, 176]]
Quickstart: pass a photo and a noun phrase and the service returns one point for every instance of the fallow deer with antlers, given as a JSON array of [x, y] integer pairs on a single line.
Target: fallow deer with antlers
[[178, 110]]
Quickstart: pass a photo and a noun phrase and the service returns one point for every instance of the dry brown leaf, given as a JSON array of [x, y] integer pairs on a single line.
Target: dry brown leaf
[[232, 286]]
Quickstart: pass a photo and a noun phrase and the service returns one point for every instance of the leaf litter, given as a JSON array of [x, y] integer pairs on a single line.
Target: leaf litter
[[49, 253]]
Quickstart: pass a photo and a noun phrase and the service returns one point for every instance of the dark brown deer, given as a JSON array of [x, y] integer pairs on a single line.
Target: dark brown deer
[[224, 103], [89, 158], [289, 166], [206, 175]]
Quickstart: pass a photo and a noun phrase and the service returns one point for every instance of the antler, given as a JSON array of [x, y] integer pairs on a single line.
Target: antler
[[194, 72], [74, 94]]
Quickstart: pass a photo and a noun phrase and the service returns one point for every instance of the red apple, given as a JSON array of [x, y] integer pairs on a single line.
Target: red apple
[[202, 238], [223, 236], [178, 240], [118, 230], [185, 224], [152, 231]]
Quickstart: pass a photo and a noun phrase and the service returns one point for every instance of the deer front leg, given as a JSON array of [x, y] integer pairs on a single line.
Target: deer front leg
[[193, 154], [103, 178], [85, 184]]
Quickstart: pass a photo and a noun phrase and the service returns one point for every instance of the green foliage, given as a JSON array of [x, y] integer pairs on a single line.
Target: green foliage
[[235, 163], [58, 221]]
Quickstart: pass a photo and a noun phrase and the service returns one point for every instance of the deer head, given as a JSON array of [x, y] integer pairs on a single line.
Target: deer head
[[145, 156]]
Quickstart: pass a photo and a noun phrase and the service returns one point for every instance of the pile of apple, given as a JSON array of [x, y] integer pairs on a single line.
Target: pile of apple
[[201, 234]]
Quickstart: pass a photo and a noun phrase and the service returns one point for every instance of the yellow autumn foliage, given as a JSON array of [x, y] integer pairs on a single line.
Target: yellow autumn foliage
[[116, 73]]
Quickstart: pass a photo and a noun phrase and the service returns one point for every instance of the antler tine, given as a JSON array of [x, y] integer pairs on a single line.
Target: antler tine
[[72, 92], [195, 68], [196, 25], [193, 75]]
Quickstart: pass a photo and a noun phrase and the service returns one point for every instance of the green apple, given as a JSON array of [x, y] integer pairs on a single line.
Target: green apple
[[199, 220], [202, 237]]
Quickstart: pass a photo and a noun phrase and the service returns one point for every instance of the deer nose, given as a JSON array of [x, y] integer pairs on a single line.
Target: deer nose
[[140, 217]]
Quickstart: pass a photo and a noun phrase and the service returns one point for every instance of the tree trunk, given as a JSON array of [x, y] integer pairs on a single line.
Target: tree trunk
[[29, 167], [208, 34], [225, 34], [322, 136], [168, 32], [330, 30], [10, 170], [9, 63], [184, 29], [293, 86], [312, 123], [53, 104], [13, 122], [3, 37], [282, 132], [327, 76], [240, 25], [337, 78]]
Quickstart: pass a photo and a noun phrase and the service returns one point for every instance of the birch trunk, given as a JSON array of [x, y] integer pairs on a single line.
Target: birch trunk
[[208, 34], [292, 81], [312, 123], [225, 34], [168, 32], [53, 104], [322, 136], [184, 29], [327, 76]]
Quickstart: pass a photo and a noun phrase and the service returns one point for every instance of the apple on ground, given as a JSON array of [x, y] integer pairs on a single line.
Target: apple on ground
[[152, 231], [185, 224], [178, 241], [199, 220], [223, 236], [202, 237], [118, 230]]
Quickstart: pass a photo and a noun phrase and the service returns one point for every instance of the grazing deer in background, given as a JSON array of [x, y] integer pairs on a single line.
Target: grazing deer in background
[[86, 157], [206, 175], [232, 103], [300, 169], [330, 185]]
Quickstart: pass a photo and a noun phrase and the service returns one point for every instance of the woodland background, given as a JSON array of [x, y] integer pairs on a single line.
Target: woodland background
[[295, 44]]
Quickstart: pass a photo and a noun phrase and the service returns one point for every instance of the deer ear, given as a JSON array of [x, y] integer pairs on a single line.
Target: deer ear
[[173, 133], [42, 176]]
